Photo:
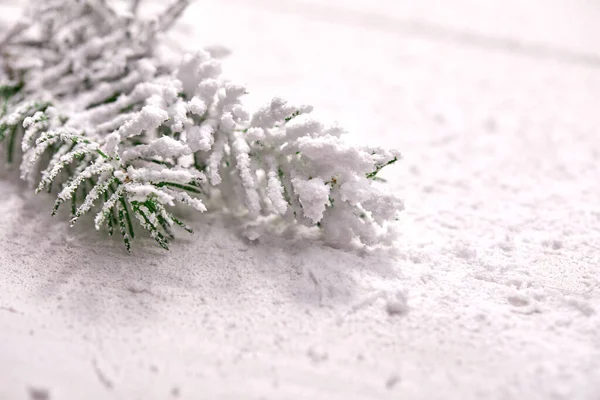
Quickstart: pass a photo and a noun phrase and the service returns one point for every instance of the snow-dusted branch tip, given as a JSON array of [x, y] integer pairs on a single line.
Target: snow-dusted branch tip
[[98, 116]]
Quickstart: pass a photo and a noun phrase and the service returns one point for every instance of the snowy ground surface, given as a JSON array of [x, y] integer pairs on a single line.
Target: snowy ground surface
[[493, 291]]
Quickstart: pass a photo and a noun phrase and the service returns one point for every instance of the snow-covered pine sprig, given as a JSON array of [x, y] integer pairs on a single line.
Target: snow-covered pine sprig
[[102, 120]]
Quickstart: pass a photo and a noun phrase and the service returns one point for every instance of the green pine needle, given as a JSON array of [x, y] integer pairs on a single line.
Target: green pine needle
[[123, 228], [378, 168]]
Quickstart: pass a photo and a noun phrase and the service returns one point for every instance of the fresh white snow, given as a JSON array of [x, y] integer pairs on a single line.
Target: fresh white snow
[[492, 291]]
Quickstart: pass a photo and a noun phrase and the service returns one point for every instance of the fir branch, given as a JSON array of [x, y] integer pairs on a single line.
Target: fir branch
[[122, 133]]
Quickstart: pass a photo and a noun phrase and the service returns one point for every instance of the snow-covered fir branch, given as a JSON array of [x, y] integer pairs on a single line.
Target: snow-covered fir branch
[[98, 118]]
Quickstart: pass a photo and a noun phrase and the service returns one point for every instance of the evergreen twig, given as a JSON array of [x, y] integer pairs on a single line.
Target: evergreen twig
[[97, 117]]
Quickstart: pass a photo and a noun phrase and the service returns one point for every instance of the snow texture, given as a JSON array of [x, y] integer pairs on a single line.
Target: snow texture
[[492, 292]]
